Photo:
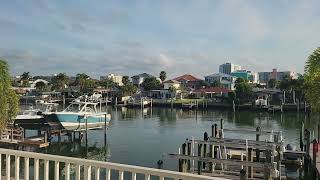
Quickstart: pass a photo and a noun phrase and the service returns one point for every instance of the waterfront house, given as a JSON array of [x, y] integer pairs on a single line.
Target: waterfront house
[[34, 83], [171, 83], [211, 92], [138, 79], [188, 81], [225, 80]]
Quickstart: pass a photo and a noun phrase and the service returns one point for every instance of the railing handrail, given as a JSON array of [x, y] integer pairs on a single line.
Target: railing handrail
[[107, 165]]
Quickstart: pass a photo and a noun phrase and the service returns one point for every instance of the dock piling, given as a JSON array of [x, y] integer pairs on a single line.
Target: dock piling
[[257, 139]]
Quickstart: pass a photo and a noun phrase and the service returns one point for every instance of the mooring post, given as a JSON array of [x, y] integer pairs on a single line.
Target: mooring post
[[221, 123], [250, 159], [258, 129], [307, 138], [243, 174], [59, 135], [212, 130], [189, 154], [205, 138], [199, 155], [301, 137], [184, 161]]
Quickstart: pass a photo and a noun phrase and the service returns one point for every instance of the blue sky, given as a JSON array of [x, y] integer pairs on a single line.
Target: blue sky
[[128, 37]]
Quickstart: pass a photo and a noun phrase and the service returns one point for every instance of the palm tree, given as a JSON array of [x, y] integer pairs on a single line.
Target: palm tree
[[60, 81], [313, 63], [312, 80], [163, 76], [81, 80], [125, 80], [25, 77]]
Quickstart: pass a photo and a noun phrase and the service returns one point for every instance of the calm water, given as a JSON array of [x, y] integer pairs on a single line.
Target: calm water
[[141, 138]]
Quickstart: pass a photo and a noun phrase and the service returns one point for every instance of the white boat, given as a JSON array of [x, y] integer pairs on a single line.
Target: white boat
[[36, 114], [79, 115]]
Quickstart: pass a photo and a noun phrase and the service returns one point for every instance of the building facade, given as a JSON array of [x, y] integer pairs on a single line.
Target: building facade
[[264, 77], [225, 80], [228, 68], [250, 76]]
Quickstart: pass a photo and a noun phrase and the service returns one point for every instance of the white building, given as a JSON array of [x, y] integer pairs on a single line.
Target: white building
[[228, 68], [114, 78], [225, 80]]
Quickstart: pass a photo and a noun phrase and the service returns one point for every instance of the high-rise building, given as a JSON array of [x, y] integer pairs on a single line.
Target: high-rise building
[[228, 68], [264, 77], [251, 76]]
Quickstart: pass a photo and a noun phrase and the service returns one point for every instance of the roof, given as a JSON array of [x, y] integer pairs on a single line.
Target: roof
[[172, 81], [186, 77], [144, 75], [212, 90]]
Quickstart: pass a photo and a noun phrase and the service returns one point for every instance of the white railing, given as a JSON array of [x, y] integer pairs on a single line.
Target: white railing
[[19, 164]]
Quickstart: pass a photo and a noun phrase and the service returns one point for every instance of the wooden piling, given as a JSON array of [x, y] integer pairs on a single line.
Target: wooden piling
[[189, 154], [221, 123], [258, 139], [184, 161], [199, 162], [243, 174], [205, 138], [250, 159]]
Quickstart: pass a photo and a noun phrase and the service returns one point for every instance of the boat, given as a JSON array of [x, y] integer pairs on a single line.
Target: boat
[[79, 116], [36, 113]]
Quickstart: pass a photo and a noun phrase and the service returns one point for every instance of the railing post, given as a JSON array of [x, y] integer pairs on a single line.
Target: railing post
[[26, 168], [8, 167], [46, 170], [56, 170], [78, 172], [87, 172], [108, 174], [97, 173], [36, 169], [67, 176], [147, 176], [134, 176], [120, 175], [17, 168]]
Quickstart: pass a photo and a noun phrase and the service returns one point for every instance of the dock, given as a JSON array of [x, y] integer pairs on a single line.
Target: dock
[[229, 158]]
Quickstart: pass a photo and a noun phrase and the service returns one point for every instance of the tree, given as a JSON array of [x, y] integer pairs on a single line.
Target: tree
[[272, 83], [9, 101], [82, 80], [215, 83], [128, 89], [41, 86], [151, 83], [125, 80], [25, 77], [173, 90], [243, 90], [60, 81], [107, 83], [163, 76], [312, 80]]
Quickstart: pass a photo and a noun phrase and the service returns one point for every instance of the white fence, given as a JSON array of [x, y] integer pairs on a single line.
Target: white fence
[[25, 165]]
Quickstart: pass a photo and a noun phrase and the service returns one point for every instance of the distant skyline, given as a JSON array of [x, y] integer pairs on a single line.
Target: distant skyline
[[128, 37]]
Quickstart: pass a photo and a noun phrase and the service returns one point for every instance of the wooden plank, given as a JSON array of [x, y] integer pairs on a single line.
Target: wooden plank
[[233, 145], [223, 161], [252, 131]]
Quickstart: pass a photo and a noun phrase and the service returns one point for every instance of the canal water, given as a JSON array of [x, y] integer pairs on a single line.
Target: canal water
[[142, 137]]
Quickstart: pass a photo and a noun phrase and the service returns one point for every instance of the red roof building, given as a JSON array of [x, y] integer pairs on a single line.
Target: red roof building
[[188, 80]]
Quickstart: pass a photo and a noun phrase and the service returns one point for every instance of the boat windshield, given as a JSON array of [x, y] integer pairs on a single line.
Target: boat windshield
[[74, 108]]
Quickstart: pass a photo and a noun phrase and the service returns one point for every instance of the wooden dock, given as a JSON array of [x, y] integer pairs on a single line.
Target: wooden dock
[[217, 156]]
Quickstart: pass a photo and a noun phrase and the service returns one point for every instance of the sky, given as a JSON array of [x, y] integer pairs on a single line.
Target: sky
[[128, 37]]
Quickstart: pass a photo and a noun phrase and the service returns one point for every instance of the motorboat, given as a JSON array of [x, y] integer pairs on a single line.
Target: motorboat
[[79, 115]]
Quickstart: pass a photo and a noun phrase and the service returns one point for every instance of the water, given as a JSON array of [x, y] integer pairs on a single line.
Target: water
[[142, 138]]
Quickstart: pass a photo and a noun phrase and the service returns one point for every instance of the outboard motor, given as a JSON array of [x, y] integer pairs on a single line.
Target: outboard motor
[[289, 147]]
